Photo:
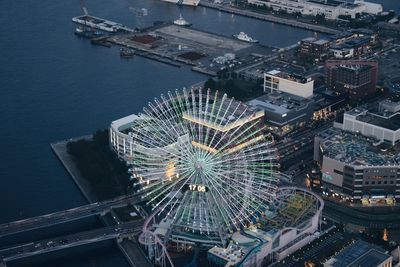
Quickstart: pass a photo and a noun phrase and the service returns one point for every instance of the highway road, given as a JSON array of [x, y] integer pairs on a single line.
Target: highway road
[[341, 213], [72, 240], [67, 215]]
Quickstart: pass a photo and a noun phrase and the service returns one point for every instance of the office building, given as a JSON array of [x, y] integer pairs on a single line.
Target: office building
[[355, 77], [276, 80], [314, 48], [283, 112]]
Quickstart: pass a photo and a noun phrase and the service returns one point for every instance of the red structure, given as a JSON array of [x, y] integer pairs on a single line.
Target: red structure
[[355, 77]]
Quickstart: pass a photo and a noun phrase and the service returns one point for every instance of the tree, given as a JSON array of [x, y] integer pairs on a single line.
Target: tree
[[210, 83], [320, 18]]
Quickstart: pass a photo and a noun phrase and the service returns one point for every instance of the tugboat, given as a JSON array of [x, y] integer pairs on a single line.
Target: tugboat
[[88, 32], [244, 37], [182, 22], [83, 32], [126, 53]]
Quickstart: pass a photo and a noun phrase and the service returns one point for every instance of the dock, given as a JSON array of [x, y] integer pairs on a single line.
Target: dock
[[271, 18], [203, 51]]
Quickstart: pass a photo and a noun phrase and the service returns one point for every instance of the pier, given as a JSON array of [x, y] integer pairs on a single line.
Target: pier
[[271, 18], [176, 45]]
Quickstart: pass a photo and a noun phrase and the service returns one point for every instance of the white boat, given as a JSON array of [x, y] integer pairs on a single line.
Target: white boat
[[244, 37], [181, 21], [79, 30], [183, 2]]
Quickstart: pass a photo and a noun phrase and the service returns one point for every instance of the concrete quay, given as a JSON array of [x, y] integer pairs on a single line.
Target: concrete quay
[[131, 250], [271, 18], [177, 46]]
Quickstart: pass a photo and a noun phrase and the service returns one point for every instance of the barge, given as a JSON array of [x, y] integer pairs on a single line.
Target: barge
[[101, 24]]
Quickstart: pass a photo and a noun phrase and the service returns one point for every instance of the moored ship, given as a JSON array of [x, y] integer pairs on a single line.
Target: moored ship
[[183, 2], [182, 22], [100, 24], [244, 37]]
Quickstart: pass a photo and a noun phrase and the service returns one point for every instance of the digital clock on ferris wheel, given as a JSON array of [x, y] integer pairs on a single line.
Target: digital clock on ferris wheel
[[197, 188]]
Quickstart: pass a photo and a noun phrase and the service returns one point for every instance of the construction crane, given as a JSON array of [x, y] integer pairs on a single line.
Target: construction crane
[[83, 7], [139, 14]]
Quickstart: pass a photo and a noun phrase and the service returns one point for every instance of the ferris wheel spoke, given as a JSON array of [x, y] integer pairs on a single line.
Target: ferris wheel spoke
[[231, 204], [202, 160], [239, 190]]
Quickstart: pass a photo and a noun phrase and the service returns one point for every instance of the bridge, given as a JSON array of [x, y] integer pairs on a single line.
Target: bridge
[[48, 245], [98, 208]]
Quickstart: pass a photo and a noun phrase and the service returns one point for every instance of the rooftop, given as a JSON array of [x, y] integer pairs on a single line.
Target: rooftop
[[332, 3], [289, 76], [384, 119], [125, 123], [315, 41], [357, 150], [279, 102], [355, 42], [359, 253], [391, 122], [321, 41]]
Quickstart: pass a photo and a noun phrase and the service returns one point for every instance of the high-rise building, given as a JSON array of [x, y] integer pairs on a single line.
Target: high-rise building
[[355, 77]]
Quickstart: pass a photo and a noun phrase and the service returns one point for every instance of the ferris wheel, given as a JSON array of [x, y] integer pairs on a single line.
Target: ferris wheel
[[203, 163]]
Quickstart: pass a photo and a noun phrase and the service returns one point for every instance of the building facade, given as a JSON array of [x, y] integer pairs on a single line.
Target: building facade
[[121, 138], [330, 9], [251, 247], [380, 124], [276, 80], [357, 169], [313, 48], [284, 112], [356, 77]]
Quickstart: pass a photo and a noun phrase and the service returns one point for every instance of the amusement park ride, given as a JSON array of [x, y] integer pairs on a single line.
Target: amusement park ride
[[205, 166]]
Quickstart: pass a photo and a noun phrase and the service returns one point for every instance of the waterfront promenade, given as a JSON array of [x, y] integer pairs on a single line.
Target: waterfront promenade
[[130, 248], [271, 18]]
